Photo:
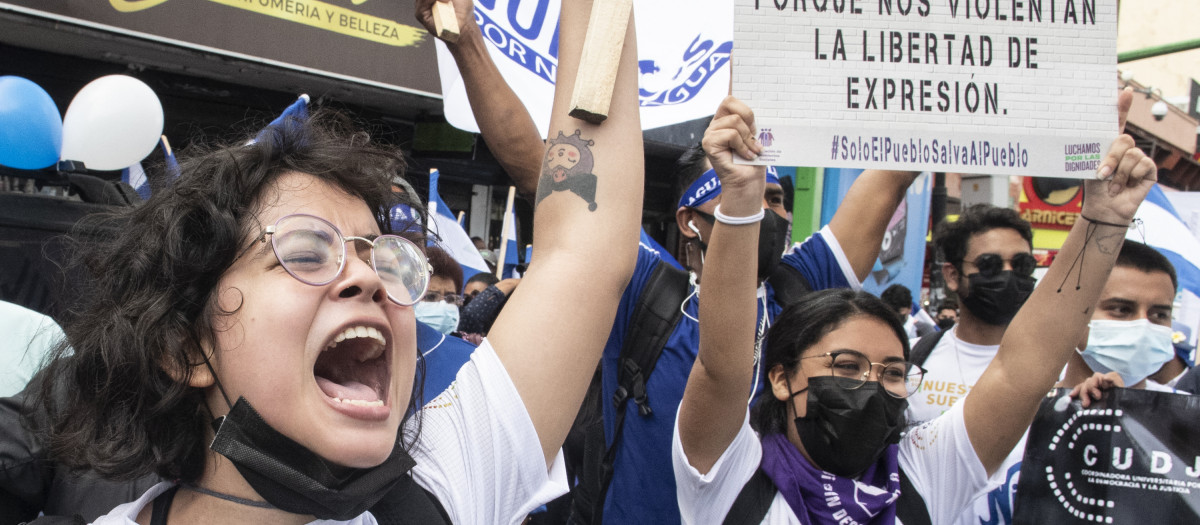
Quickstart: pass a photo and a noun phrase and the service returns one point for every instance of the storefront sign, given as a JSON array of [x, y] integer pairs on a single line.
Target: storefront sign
[[375, 41]]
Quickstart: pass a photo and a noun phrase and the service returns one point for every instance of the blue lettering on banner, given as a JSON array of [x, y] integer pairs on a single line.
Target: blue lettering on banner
[[516, 38], [542, 66], [701, 60]]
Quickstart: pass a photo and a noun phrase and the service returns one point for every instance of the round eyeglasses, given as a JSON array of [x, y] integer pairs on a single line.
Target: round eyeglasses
[[313, 251], [899, 378]]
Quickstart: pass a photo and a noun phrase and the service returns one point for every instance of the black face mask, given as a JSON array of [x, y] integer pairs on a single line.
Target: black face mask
[[845, 431], [996, 299], [772, 239], [293, 478], [945, 323]]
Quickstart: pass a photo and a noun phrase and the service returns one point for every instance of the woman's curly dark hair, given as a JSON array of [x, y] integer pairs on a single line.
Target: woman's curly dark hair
[[802, 325], [152, 272]]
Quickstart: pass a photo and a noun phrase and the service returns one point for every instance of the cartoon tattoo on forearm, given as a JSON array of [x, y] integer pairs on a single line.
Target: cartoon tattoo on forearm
[[568, 167]]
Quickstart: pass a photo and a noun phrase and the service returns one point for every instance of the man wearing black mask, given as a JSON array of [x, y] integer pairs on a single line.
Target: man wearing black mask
[[987, 261]]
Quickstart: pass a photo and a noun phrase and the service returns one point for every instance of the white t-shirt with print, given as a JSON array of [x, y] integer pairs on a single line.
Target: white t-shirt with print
[[937, 458], [478, 453], [952, 369]]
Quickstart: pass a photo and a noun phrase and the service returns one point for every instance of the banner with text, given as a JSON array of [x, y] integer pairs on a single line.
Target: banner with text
[[1131, 457], [683, 57], [1015, 87], [370, 41]]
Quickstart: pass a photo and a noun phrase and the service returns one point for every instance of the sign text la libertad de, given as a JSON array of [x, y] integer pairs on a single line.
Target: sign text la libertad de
[[1019, 87]]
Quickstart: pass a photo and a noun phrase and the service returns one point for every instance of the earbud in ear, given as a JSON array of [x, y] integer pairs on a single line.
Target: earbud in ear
[[692, 226]]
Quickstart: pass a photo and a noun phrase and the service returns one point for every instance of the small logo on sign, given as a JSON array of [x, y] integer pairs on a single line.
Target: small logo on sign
[[765, 137]]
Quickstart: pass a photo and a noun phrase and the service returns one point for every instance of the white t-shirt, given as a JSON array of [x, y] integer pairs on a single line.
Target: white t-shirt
[[28, 338], [937, 457], [952, 369], [478, 453]]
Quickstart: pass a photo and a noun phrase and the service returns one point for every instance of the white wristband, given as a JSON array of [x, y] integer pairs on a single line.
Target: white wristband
[[738, 221]]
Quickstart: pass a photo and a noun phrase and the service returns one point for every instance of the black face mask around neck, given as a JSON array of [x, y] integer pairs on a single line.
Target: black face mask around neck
[[996, 299], [293, 478], [846, 430]]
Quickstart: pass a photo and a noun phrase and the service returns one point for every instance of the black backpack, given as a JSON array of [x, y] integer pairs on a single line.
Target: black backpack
[[654, 318]]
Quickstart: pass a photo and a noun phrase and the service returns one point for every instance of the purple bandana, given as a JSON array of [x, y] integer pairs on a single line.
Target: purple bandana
[[821, 498]]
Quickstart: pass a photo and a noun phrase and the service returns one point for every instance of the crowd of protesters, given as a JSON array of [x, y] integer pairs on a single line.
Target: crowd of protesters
[[261, 343]]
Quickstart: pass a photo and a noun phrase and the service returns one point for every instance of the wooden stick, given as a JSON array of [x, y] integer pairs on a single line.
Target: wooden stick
[[601, 55], [445, 22], [508, 219]]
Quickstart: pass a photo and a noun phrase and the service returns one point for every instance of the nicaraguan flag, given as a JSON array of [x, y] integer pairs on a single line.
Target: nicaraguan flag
[[1167, 233], [445, 232], [135, 175], [511, 254]]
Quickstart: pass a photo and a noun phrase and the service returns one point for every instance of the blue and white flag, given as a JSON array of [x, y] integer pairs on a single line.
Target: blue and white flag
[[511, 255], [683, 58], [1166, 232], [135, 175], [445, 232]]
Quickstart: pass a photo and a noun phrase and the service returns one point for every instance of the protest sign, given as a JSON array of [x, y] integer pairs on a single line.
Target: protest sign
[[1131, 457], [1017, 87]]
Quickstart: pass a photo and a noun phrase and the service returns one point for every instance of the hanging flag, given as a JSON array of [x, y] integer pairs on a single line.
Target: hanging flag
[[445, 232], [135, 176], [1162, 228], [508, 240], [683, 65]]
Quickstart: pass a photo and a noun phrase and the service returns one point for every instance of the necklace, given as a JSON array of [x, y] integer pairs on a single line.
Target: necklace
[[229, 497]]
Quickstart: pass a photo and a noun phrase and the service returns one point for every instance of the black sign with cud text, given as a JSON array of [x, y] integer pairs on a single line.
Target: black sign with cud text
[[1132, 457]]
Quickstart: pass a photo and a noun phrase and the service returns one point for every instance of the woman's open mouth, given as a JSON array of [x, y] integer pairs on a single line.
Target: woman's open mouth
[[354, 372]]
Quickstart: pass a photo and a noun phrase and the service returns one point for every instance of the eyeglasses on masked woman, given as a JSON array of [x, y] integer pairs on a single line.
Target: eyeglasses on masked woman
[[313, 251], [899, 378]]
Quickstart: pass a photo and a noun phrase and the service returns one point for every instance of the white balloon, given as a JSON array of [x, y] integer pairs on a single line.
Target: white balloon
[[112, 123]]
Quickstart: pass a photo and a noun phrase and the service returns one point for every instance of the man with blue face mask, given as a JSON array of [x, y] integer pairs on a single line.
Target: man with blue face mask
[[1130, 332]]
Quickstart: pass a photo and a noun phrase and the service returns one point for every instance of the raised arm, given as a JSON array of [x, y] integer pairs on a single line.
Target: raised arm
[[714, 401], [862, 218], [1042, 336], [552, 331], [506, 126]]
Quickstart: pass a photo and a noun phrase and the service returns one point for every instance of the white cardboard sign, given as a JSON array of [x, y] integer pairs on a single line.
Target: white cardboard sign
[[1006, 87]]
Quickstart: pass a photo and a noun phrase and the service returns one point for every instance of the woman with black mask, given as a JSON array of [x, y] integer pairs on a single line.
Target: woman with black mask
[[825, 446]]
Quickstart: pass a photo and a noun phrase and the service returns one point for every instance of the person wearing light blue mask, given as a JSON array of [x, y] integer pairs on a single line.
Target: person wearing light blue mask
[[1130, 331], [439, 307]]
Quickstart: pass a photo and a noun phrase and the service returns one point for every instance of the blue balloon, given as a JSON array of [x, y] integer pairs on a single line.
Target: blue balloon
[[30, 125]]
